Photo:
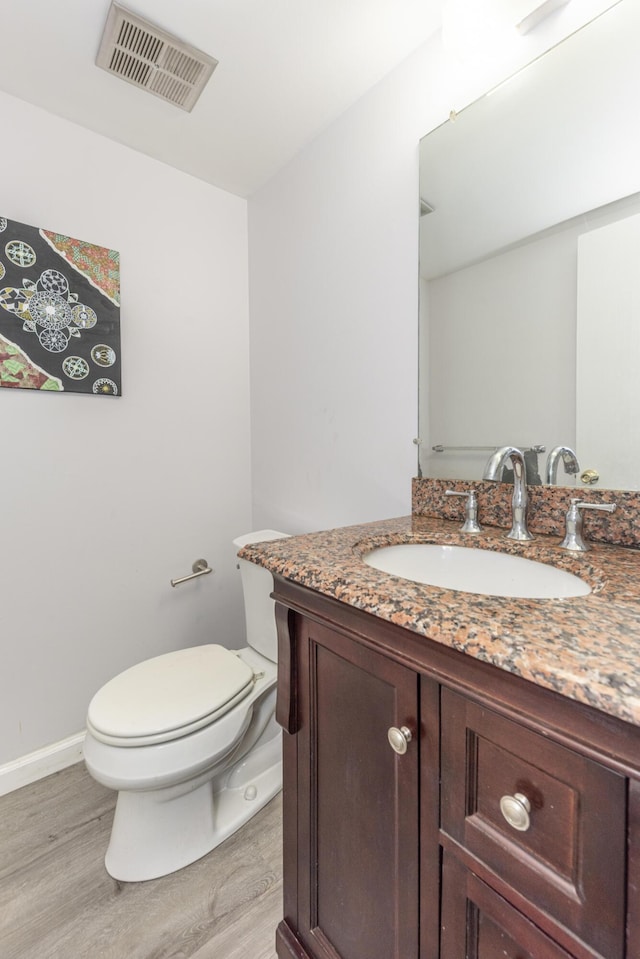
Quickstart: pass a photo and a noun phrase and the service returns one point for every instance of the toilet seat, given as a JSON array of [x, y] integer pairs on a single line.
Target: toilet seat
[[169, 696]]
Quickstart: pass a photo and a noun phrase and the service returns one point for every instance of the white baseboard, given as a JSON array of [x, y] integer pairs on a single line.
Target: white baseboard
[[43, 762]]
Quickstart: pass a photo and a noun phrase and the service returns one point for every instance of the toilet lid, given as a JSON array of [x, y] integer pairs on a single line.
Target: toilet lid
[[183, 690]]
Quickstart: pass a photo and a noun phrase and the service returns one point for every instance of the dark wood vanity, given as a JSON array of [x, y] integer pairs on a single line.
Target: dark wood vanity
[[393, 855]]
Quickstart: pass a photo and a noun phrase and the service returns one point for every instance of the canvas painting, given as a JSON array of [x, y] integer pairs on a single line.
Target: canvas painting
[[59, 312]]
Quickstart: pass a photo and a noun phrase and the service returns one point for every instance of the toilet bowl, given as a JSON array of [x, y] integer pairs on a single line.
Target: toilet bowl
[[189, 741]]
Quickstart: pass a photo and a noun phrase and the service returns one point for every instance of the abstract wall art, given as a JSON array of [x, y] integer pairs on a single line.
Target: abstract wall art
[[59, 312]]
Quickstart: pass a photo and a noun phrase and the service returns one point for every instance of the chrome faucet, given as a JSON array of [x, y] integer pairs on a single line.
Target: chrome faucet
[[520, 497], [569, 459]]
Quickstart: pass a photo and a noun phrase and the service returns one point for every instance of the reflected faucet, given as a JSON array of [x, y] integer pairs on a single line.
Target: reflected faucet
[[520, 497], [569, 459]]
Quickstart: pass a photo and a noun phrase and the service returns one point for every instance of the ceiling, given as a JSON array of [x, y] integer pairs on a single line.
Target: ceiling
[[287, 69]]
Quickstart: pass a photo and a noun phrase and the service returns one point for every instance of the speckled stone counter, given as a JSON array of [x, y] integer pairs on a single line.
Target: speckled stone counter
[[587, 648]]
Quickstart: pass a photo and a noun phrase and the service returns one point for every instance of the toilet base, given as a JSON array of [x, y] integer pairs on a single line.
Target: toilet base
[[156, 832]]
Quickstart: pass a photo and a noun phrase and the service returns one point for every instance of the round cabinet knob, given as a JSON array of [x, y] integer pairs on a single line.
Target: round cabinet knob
[[399, 739], [515, 810]]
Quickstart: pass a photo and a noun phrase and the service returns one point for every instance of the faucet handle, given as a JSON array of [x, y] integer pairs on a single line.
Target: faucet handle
[[471, 524], [605, 507], [573, 538]]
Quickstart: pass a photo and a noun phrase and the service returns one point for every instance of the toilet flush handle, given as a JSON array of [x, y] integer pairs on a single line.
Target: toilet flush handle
[[200, 568]]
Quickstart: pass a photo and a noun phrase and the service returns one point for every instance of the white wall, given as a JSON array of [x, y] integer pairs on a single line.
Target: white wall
[[103, 500], [333, 297], [333, 268], [502, 343], [499, 340], [607, 353]]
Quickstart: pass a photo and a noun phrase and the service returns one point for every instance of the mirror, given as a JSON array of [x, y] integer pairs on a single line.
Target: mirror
[[529, 258]]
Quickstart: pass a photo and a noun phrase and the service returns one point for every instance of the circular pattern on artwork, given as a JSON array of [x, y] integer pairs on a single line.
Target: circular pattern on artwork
[[54, 282], [54, 341], [2, 270], [50, 310], [75, 367], [83, 316], [3, 224], [103, 355], [20, 253], [106, 386]]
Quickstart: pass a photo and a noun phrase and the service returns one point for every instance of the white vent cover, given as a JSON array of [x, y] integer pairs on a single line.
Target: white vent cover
[[142, 54]]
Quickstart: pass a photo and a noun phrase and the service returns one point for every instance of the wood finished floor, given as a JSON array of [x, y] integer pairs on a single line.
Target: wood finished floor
[[58, 902]]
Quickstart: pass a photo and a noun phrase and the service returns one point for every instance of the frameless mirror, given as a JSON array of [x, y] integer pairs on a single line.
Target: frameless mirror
[[530, 264]]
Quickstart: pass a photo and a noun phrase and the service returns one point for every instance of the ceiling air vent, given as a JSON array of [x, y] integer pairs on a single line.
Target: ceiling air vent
[[143, 54]]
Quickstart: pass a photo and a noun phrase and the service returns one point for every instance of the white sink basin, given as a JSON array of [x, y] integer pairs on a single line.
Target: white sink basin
[[480, 571]]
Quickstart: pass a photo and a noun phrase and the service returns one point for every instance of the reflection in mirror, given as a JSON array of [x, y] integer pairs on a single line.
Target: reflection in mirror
[[529, 325]]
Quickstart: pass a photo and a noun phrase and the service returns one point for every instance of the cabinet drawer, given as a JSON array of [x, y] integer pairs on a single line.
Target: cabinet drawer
[[568, 859], [477, 923]]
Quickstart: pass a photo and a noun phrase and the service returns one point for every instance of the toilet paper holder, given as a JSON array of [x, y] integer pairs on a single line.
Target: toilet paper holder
[[200, 568]]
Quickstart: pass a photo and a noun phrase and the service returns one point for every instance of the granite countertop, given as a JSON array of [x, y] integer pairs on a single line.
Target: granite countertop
[[586, 647]]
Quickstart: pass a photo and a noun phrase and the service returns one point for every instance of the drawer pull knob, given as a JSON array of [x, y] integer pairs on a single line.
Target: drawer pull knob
[[515, 810], [399, 739]]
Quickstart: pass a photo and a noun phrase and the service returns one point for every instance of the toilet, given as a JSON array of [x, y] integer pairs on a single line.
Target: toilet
[[190, 742]]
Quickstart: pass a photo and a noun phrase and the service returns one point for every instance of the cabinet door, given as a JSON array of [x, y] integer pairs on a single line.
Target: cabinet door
[[357, 800], [477, 923]]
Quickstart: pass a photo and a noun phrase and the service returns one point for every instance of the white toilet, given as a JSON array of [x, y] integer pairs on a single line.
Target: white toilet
[[190, 742]]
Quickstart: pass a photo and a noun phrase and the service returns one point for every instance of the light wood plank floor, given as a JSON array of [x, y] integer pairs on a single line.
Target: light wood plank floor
[[58, 902]]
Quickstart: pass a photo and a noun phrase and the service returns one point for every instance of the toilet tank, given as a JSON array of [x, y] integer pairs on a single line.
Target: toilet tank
[[259, 608]]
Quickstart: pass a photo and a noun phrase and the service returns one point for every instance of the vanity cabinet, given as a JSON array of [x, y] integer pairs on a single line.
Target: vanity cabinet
[[506, 824]]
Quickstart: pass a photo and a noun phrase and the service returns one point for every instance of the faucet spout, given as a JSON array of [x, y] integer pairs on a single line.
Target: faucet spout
[[520, 497], [569, 459]]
